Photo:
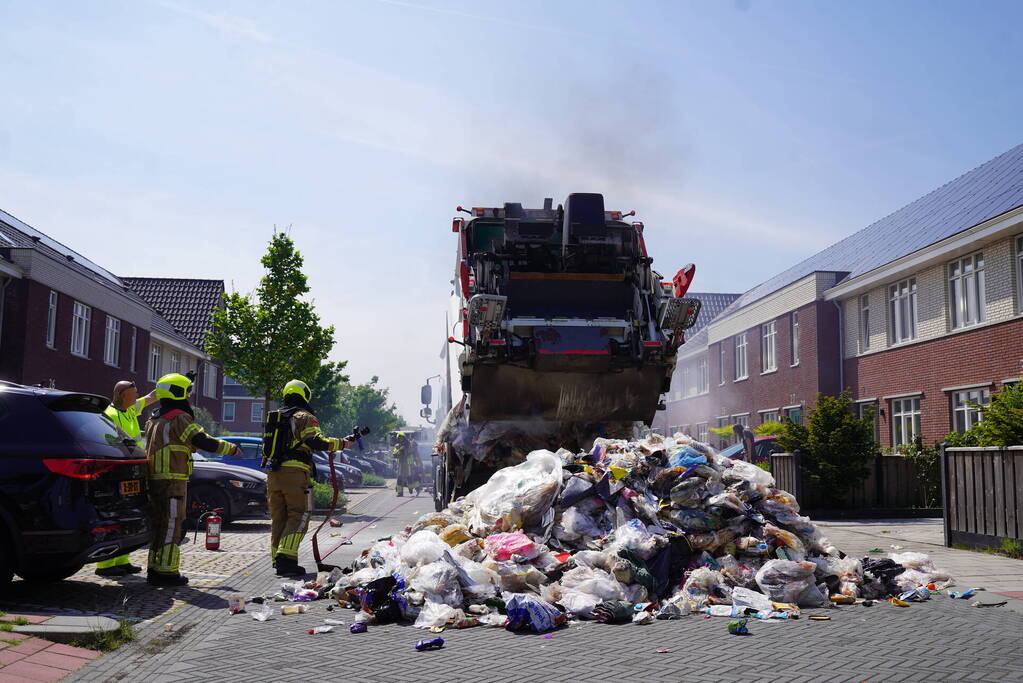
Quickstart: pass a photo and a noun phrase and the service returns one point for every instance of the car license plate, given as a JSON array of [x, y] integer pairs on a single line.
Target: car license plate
[[131, 487]]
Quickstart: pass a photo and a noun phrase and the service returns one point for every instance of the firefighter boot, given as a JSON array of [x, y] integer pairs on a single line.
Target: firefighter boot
[[158, 579], [288, 566]]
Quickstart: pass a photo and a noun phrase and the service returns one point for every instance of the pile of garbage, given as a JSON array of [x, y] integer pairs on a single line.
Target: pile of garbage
[[629, 531]]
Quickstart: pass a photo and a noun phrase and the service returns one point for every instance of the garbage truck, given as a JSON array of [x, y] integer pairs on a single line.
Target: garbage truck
[[558, 332]]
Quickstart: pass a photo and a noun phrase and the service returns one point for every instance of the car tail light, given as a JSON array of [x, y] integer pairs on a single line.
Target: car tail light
[[78, 468]]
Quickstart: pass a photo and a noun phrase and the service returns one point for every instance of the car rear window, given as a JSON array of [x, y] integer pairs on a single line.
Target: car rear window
[[72, 425]]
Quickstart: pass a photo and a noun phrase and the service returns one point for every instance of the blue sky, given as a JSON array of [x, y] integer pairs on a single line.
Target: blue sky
[[168, 138]]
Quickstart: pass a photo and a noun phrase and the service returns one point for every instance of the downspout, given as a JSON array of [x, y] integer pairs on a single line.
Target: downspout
[[841, 346]]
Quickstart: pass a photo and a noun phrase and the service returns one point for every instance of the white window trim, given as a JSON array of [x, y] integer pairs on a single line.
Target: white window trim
[[112, 355], [897, 418], [52, 302], [745, 357], [794, 341], [967, 411], [1017, 242], [913, 299], [722, 354], [234, 411], [863, 323], [87, 318], [134, 347], [252, 412], [209, 381], [155, 369], [768, 341], [980, 290]]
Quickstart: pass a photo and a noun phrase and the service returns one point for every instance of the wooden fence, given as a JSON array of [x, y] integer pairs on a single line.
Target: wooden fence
[[983, 490], [897, 486]]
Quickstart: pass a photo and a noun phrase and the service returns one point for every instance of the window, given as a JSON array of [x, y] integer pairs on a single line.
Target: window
[[51, 321], [80, 321], [795, 415], [902, 311], [174, 361], [864, 322], [866, 409], [966, 407], [687, 383], [905, 420], [724, 441], [768, 416], [112, 345], [795, 337], [134, 340], [155, 362], [768, 357], [1019, 270], [966, 290], [740, 357], [702, 376], [209, 380], [228, 411], [230, 381], [721, 366], [701, 432], [257, 412]]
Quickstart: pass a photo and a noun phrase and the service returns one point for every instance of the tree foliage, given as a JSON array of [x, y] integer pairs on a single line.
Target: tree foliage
[[1001, 423], [275, 336], [769, 428], [327, 386], [835, 446], [368, 405]]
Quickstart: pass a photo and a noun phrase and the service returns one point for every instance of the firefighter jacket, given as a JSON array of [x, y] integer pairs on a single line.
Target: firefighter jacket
[[171, 439], [306, 438]]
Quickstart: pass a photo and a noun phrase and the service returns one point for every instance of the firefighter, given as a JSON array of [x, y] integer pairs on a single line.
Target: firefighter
[[124, 409], [289, 486], [171, 437], [407, 461]]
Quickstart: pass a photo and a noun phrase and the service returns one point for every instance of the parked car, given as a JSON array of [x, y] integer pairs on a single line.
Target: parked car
[[239, 491], [252, 455], [72, 486], [763, 446]]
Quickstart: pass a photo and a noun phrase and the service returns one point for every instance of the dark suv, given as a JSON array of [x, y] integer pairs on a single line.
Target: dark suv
[[72, 486]]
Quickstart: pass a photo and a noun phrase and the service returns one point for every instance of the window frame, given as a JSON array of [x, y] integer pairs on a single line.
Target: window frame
[[741, 343], [174, 360], [112, 342], [209, 383], [789, 411], [794, 330], [223, 411], [899, 417], [768, 347], [1019, 273], [962, 274], [722, 355], [896, 312], [252, 412], [971, 416], [702, 375], [766, 415], [155, 362], [702, 433], [81, 322], [51, 319], [864, 322], [134, 347]]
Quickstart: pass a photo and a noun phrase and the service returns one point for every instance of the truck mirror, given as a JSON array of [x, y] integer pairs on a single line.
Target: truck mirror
[[426, 395]]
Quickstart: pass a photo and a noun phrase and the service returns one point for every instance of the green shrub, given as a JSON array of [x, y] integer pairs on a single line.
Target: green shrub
[[769, 428], [372, 480], [322, 493], [836, 448], [926, 468]]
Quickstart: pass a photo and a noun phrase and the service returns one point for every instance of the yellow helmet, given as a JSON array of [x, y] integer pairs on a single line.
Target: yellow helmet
[[297, 386], [173, 386]]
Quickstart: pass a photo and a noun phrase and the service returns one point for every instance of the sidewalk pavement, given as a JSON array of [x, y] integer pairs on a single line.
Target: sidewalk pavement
[[30, 659], [996, 574]]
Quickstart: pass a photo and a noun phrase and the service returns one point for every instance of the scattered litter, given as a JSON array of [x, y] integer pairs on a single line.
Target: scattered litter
[[818, 617], [167, 628], [320, 629], [963, 594], [978, 603], [294, 609], [236, 603], [431, 644], [738, 627], [548, 636], [334, 622], [334, 522], [625, 532], [263, 613], [662, 651]]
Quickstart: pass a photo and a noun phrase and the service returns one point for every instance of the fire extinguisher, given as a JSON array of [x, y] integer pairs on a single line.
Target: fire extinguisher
[[213, 522]]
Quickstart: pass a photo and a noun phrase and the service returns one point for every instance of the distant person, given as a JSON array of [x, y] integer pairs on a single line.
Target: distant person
[[744, 436], [171, 437], [407, 460], [125, 409]]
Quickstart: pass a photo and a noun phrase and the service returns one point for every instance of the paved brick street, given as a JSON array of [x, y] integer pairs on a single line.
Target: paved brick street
[[942, 640]]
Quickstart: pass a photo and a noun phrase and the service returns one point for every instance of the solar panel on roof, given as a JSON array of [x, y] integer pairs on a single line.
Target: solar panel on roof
[[58, 247]]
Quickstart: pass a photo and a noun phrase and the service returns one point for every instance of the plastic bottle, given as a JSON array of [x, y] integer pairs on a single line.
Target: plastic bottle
[[320, 629], [294, 609], [725, 611], [431, 644]]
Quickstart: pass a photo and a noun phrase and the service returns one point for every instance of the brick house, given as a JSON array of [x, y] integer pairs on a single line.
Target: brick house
[[183, 310], [920, 315], [243, 412], [65, 321]]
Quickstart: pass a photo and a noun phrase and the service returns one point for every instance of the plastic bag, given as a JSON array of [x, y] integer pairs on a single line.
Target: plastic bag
[[517, 577], [454, 534], [528, 612], [439, 580], [434, 614], [700, 585], [687, 456], [422, 547], [518, 496], [744, 597], [637, 538], [784, 580], [502, 546], [850, 575], [751, 473], [572, 525]]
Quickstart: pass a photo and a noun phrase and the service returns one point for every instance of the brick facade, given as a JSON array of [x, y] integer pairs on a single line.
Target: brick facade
[[989, 354]]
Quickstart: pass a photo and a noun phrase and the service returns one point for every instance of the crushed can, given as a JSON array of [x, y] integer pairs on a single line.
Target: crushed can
[[430, 644]]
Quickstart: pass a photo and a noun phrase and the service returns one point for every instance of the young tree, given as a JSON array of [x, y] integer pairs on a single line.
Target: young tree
[[366, 405], [276, 336], [835, 446], [328, 385]]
